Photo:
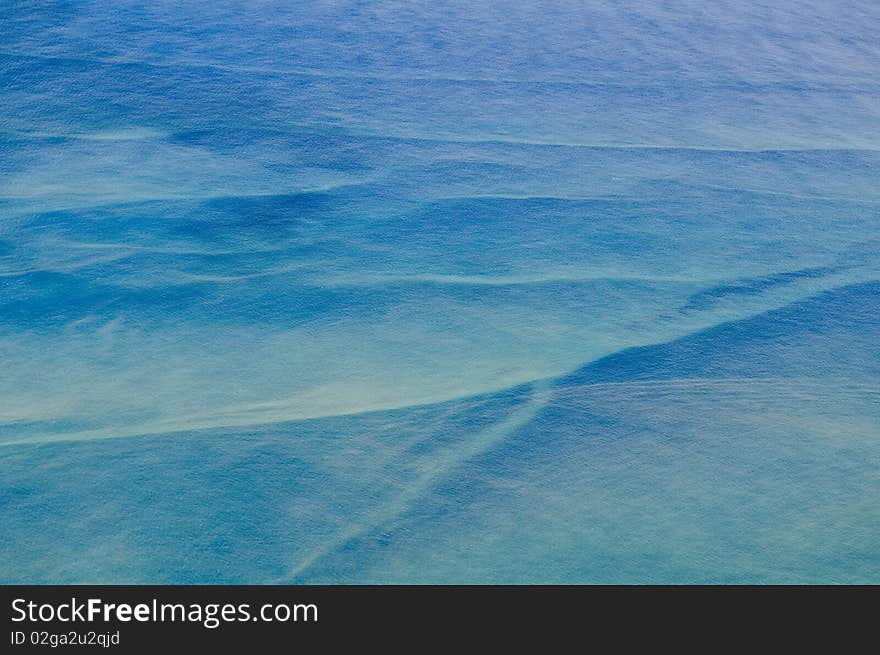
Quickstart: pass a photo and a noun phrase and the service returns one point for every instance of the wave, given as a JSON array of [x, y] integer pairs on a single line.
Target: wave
[[632, 362]]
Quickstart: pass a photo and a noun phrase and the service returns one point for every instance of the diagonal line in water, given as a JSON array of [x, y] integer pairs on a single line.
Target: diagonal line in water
[[443, 467]]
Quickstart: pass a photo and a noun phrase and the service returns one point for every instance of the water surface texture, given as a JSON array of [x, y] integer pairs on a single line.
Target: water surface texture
[[482, 292]]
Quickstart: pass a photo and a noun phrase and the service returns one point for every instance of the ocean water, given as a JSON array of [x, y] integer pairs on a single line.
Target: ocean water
[[439, 292]]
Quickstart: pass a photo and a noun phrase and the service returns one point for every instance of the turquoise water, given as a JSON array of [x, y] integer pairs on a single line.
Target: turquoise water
[[429, 292]]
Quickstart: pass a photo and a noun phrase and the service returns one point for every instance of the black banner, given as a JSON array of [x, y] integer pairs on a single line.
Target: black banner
[[147, 618]]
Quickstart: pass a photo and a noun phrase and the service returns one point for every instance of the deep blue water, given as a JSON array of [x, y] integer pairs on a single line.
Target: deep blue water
[[436, 292]]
